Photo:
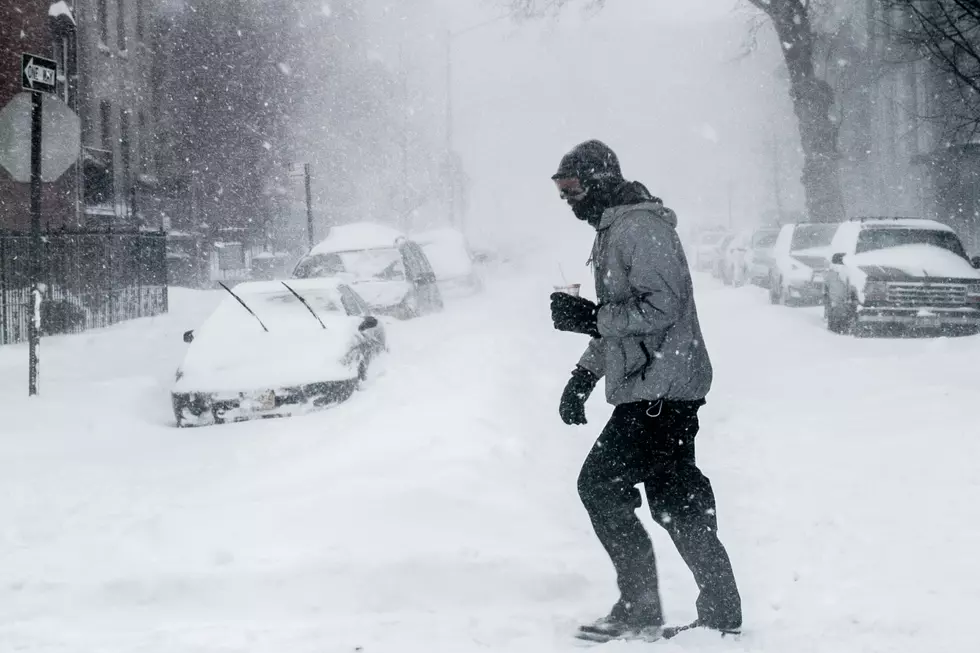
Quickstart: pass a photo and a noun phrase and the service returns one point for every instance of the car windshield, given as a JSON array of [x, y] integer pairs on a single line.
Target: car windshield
[[807, 236], [362, 264], [765, 239], [374, 264], [885, 237], [712, 238], [321, 301]]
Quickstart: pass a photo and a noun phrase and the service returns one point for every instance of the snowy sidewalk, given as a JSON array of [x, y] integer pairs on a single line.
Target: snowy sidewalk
[[436, 511]]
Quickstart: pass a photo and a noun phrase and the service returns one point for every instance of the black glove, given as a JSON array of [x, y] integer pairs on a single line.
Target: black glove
[[575, 314], [577, 391]]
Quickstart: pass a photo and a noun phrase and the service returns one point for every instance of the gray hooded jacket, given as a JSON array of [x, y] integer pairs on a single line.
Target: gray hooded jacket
[[651, 346]]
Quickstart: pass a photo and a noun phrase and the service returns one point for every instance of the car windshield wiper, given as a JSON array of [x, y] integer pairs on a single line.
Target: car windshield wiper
[[243, 304], [300, 298]]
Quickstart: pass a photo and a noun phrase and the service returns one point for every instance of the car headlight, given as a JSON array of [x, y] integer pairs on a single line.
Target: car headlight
[[875, 291]]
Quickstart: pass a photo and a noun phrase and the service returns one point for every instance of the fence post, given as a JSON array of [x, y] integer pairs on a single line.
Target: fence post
[[109, 277], [139, 274], [162, 262], [4, 337]]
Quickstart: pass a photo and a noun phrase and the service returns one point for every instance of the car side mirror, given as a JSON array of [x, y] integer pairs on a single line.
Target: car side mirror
[[837, 259], [369, 322], [976, 262], [189, 336]]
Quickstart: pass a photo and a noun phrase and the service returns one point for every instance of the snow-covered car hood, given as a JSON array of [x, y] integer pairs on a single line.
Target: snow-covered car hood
[[255, 360], [909, 262], [382, 294]]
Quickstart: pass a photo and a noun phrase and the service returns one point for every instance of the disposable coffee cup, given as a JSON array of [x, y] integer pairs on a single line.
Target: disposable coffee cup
[[571, 289]]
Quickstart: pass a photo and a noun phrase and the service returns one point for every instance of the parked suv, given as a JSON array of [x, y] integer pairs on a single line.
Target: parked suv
[[800, 257], [900, 271]]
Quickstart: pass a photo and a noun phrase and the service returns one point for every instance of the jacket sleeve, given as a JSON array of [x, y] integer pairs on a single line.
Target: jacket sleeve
[[647, 255], [593, 359]]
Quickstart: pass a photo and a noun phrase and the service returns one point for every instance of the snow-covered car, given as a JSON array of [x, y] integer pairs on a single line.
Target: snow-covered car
[[451, 260], [760, 255], [274, 349], [706, 245], [900, 271], [800, 259], [736, 259], [718, 258], [388, 269]]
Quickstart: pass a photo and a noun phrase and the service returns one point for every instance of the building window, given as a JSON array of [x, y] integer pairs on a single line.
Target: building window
[[64, 54], [105, 115], [140, 20], [103, 10], [121, 23], [98, 189]]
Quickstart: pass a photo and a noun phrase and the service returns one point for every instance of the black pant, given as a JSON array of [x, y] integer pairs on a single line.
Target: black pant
[[653, 444]]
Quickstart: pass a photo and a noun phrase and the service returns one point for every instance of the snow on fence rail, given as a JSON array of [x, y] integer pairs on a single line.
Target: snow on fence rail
[[89, 279]]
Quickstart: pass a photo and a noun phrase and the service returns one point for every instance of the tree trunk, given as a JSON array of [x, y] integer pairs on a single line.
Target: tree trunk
[[813, 100]]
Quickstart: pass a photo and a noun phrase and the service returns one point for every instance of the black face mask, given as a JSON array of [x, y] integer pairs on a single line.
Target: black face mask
[[598, 199], [589, 209]]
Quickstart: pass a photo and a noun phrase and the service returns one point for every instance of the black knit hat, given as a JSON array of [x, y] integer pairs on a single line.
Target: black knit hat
[[591, 160]]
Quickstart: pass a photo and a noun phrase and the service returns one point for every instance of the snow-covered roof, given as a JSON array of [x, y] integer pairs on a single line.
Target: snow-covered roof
[[58, 9], [907, 223], [358, 236]]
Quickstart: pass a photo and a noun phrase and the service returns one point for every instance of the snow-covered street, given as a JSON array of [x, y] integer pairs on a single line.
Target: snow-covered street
[[436, 510]]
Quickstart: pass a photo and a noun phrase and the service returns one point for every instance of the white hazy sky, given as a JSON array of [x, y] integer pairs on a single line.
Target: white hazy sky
[[659, 80]]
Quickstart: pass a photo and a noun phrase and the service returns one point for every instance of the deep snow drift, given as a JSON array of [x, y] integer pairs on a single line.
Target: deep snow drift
[[436, 511]]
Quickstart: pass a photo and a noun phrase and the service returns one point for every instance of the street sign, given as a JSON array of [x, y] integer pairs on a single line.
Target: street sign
[[60, 138], [38, 74]]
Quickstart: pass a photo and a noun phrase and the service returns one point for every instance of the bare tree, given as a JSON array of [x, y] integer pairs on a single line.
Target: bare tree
[[813, 103], [946, 33], [813, 97]]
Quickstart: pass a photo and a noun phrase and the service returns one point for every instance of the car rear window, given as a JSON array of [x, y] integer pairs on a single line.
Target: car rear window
[[873, 239], [766, 239], [806, 236]]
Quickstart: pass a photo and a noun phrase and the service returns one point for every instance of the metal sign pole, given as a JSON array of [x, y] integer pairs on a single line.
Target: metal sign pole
[[38, 76], [34, 328]]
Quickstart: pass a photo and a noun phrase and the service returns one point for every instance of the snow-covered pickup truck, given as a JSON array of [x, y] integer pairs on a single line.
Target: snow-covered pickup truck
[[900, 271]]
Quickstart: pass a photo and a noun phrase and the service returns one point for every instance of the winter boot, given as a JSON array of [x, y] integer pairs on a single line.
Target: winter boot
[[625, 621]]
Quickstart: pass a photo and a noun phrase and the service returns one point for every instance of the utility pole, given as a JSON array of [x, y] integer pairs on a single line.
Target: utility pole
[[450, 145], [309, 203], [776, 180], [731, 193], [450, 168], [406, 200]]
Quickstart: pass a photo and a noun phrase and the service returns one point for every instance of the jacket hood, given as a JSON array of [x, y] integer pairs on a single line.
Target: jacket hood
[[613, 215]]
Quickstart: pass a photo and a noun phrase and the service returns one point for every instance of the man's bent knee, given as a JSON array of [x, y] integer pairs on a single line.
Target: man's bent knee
[[600, 496]]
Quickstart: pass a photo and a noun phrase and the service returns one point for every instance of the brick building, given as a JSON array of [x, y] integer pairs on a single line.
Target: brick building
[[41, 28], [104, 63]]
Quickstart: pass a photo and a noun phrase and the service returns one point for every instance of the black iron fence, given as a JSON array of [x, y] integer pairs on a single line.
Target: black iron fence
[[87, 280]]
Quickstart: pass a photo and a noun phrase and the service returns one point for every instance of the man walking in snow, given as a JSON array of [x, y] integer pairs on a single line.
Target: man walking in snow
[[647, 343]]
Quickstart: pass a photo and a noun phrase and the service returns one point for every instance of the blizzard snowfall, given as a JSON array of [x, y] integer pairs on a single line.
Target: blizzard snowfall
[[436, 511]]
